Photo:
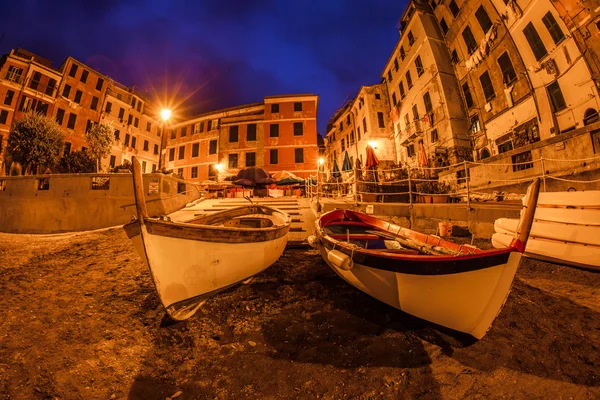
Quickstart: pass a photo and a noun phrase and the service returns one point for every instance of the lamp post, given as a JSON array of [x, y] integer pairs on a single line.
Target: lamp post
[[321, 162], [218, 168], [165, 114]]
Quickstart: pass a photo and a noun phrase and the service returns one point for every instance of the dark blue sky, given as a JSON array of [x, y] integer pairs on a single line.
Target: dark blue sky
[[221, 52]]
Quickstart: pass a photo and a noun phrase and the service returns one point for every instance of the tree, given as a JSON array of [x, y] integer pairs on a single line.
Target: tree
[[77, 162], [35, 139], [100, 139]]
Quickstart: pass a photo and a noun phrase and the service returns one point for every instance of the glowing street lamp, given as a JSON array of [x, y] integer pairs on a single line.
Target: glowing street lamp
[[165, 114], [218, 168], [373, 144]]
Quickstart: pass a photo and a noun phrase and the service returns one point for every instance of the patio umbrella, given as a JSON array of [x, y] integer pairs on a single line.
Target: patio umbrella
[[347, 166], [423, 161], [336, 171], [372, 162], [358, 168], [253, 176]]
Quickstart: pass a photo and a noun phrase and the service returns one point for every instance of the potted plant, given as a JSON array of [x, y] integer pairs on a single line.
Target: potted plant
[[433, 191]]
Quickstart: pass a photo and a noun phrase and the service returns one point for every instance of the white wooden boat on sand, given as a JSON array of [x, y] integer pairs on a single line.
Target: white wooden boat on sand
[[566, 229], [456, 286], [191, 261]]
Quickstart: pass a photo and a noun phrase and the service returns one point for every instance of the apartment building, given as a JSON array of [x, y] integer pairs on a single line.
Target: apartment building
[[426, 105], [277, 134], [27, 82], [522, 75], [363, 121]]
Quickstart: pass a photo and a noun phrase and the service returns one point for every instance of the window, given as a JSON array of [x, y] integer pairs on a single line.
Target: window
[[180, 173], [148, 126], [195, 149], [233, 161], [410, 150], [71, 122], [556, 97], [233, 134], [402, 53], [181, 152], [108, 108], [172, 154], [155, 149], [408, 80], [297, 106], [394, 99], [428, 108], [475, 124], [60, 115], [35, 80], [521, 161], [298, 156], [365, 125], [136, 123], [535, 42], [411, 38], [469, 40], [358, 133], [173, 134], [389, 74], [199, 127], [117, 134], [380, 120], [251, 133], [212, 147], [121, 113], [14, 74], [133, 142], [133, 101], [486, 85], [508, 72], [66, 91], [401, 87], [467, 94], [251, 159], [130, 120], [146, 145], [274, 130], [552, 26], [396, 64], [343, 144], [454, 8], [89, 124], [484, 19], [77, 98], [94, 104], [67, 148], [273, 156], [454, 57], [444, 26], [84, 76], [50, 87], [434, 136], [73, 70], [274, 108], [3, 116], [298, 129], [99, 84], [504, 147], [194, 172], [113, 161], [9, 97], [415, 112], [377, 96], [419, 66]]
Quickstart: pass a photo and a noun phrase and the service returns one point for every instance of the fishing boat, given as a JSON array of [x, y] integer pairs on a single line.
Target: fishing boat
[[460, 287], [189, 261], [566, 229]]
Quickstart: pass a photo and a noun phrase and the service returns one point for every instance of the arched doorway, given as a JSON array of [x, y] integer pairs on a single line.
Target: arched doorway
[[590, 116], [485, 153]]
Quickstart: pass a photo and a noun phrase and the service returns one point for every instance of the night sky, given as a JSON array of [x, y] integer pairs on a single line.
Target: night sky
[[215, 53]]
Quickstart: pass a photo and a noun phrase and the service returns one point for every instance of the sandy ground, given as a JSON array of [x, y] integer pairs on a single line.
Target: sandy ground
[[79, 319]]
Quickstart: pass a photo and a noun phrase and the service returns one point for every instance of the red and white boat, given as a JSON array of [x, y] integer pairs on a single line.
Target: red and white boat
[[460, 287]]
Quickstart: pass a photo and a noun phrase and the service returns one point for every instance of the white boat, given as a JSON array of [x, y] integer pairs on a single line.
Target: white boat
[[192, 260], [582, 216], [575, 233], [577, 254], [577, 199], [456, 286]]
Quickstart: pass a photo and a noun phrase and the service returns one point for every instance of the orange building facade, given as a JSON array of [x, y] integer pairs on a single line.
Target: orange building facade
[[278, 134]]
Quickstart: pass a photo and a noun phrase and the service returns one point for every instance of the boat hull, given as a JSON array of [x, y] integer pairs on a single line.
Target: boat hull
[[466, 301], [187, 271], [583, 234]]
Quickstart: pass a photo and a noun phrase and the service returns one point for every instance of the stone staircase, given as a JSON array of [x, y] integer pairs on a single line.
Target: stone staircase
[[303, 218]]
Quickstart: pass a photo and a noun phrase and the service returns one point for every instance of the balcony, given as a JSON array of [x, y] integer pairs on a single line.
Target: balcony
[[411, 132]]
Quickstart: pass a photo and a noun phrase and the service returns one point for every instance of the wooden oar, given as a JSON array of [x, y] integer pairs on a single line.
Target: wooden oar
[[423, 248]]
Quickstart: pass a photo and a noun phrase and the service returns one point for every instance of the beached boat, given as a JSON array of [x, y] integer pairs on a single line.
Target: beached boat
[[460, 287], [192, 260], [566, 229]]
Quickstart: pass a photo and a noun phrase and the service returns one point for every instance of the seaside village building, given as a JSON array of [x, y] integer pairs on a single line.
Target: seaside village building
[[364, 119], [277, 134]]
